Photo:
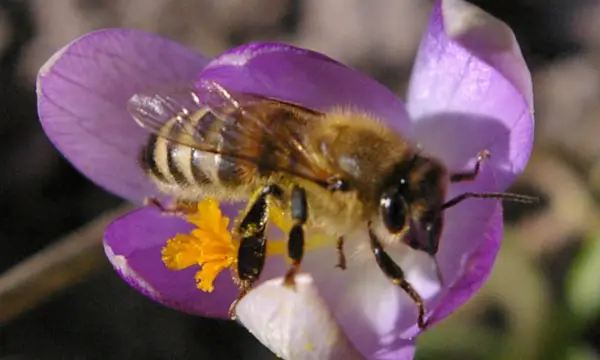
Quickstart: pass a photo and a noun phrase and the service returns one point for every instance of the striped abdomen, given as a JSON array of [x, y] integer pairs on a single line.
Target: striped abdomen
[[179, 168]]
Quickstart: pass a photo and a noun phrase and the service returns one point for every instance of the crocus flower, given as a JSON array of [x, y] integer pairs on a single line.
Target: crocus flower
[[470, 91]]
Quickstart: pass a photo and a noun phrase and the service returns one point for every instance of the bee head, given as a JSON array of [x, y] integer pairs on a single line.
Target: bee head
[[410, 203]]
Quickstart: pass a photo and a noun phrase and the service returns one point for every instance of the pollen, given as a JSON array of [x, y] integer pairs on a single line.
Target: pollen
[[210, 245]]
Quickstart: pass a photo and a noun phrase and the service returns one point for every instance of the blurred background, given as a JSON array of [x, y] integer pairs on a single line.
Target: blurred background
[[542, 300]]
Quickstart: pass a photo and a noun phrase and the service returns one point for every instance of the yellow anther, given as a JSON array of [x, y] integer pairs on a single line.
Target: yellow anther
[[210, 245]]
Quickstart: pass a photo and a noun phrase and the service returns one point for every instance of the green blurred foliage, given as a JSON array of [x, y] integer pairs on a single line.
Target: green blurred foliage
[[583, 287]]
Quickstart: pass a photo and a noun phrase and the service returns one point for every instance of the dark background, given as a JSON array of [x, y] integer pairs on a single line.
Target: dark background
[[543, 299]]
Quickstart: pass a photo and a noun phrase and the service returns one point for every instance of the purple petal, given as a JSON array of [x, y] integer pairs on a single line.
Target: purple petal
[[466, 224], [374, 313], [476, 270], [133, 245], [82, 95], [304, 77], [471, 91]]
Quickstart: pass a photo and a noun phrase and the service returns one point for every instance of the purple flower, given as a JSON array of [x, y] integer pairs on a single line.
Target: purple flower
[[470, 91]]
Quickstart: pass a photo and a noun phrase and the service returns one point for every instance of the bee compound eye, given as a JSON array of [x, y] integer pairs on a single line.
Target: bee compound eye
[[393, 210]]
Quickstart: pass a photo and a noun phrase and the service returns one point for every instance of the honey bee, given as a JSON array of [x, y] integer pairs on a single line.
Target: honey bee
[[334, 171]]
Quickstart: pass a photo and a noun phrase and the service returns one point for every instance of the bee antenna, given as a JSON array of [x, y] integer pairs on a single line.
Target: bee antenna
[[517, 198], [523, 199]]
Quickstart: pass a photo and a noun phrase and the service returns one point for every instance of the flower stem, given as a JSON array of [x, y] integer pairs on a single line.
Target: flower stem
[[60, 265]]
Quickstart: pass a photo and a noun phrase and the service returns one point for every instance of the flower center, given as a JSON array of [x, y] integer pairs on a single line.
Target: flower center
[[213, 247]]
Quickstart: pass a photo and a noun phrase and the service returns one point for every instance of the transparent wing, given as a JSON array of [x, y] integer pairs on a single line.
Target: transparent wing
[[253, 128]]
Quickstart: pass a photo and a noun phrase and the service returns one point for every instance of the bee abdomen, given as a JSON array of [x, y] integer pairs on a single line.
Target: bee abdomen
[[148, 160], [198, 173], [231, 172], [172, 164], [175, 165]]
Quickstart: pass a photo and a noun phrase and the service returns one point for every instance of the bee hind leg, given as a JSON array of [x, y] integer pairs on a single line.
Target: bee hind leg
[[299, 208], [396, 275], [177, 208], [251, 260], [253, 244]]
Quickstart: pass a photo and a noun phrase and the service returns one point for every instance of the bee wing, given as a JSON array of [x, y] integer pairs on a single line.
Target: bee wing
[[173, 104], [213, 119]]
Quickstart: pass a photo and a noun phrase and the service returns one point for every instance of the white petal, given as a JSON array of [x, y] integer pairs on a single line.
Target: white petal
[[294, 324]]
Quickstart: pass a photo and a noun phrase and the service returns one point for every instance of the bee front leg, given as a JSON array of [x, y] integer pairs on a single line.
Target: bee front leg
[[299, 207], [339, 246], [471, 175], [253, 245], [395, 273]]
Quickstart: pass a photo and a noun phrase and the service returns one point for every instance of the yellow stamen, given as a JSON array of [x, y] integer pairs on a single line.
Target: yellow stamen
[[210, 245], [213, 247]]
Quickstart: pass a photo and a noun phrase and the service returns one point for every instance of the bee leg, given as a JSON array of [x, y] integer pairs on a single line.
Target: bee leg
[[395, 273], [178, 208], [339, 245], [471, 175], [253, 245], [299, 207], [152, 201], [251, 260]]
